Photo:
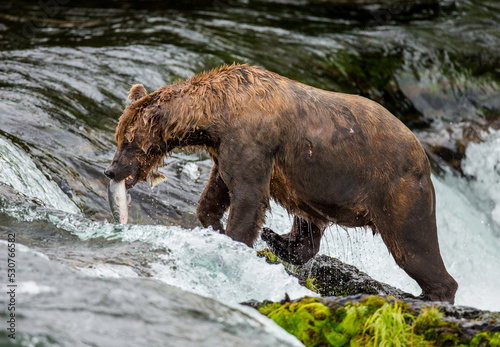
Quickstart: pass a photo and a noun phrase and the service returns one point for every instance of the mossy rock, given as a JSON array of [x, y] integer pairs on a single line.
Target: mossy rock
[[378, 321], [391, 317]]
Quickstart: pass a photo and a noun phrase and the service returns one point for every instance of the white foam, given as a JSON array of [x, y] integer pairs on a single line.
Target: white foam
[[20, 172], [469, 246], [213, 265], [191, 170], [482, 162]]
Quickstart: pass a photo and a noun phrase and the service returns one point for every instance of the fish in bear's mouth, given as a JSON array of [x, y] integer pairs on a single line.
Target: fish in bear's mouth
[[118, 200]]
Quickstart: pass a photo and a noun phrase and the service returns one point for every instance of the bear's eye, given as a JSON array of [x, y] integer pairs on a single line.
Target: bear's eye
[[130, 147]]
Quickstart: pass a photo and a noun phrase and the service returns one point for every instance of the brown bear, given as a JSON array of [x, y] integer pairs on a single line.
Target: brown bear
[[325, 157]]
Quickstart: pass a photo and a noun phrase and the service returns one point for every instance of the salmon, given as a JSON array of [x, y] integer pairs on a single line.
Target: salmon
[[119, 200]]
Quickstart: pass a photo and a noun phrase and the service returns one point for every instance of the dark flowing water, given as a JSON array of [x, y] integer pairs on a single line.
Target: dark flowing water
[[65, 70]]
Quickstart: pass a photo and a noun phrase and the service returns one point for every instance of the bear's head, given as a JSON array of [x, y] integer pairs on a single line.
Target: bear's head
[[141, 148]]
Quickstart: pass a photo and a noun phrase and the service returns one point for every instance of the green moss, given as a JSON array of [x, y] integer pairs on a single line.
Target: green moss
[[315, 324], [432, 327], [307, 319], [339, 291], [388, 327], [486, 338], [266, 253], [373, 321], [311, 284], [271, 258]]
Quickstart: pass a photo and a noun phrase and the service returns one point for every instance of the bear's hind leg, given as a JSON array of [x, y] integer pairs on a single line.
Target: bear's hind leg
[[298, 246], [413, 242], [214, 201]]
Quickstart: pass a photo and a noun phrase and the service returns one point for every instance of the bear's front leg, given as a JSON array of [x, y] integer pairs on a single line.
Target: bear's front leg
[[214, 201], [247, 213], [246, 170]]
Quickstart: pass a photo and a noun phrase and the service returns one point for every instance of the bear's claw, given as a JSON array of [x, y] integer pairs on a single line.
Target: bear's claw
[[268, 235]]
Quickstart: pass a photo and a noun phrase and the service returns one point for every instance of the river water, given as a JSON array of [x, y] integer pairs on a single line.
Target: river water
[[64, 75]]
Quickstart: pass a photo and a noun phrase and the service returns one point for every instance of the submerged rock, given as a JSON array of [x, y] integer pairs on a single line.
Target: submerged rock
[[12, 197]]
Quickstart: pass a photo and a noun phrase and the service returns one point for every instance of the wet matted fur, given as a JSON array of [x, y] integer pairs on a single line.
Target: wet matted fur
[[326, 157]]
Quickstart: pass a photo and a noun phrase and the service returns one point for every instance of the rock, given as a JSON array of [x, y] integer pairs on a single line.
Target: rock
[[10, 197], [328, 276], [331, 277], [354, 309], [375, 320], [57, 306]]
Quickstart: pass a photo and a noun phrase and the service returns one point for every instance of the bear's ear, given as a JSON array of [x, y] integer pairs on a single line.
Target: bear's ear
[[137, 92]]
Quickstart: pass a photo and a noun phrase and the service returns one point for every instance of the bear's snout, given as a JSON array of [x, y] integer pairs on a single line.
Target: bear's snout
[[109, 174]]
